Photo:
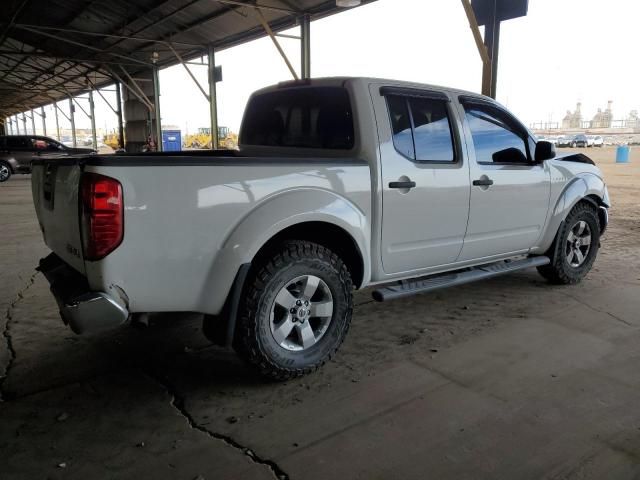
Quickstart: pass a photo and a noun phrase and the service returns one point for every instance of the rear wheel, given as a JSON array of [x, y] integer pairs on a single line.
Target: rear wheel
[[295, 311], [5, 171], [575, 248]]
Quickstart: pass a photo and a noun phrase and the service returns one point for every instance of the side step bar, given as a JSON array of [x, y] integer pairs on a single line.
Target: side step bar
[[404, 288]]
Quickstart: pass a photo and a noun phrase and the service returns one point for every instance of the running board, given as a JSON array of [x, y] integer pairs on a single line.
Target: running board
[[404, 288]]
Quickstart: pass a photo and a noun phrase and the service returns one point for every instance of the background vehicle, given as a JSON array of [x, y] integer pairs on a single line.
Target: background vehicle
[[226, 139], [598, 141], [338, 184], [564, 141], [580, 140], [17, 151]]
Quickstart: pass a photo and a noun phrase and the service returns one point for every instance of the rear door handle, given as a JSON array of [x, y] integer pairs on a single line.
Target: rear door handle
[[483, 182], [402, 184]]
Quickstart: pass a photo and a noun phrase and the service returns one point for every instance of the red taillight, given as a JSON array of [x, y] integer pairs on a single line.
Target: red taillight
[[102, 215]]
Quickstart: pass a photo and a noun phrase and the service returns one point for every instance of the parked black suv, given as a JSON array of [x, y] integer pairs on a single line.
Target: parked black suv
[[17, 151], [580, 140]]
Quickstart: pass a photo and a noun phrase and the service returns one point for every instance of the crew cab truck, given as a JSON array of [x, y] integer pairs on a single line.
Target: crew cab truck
[[338, 184]]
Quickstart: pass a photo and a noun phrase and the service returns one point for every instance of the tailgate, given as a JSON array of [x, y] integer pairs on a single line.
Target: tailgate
[[55, 184]]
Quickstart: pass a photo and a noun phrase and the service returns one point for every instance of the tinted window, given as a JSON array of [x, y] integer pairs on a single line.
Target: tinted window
[[401, 125], [310, 117], [19, 143], [432, 132], [495, 137], [430, 138]]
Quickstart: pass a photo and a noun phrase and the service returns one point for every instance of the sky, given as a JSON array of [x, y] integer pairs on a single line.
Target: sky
[[562, 52]]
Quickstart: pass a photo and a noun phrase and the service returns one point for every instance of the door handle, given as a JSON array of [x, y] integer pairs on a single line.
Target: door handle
[[408, 184], [483, 182]]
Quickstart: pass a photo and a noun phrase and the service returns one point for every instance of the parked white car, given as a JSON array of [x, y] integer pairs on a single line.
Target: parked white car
[[338, 184], [598, 141]]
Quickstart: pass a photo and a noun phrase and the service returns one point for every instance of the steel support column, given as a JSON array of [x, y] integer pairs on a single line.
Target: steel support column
[[213, 99], [492, 42], [33, 122], [24, 122], [55, 109], [305, 46], [156, 107], [119, 115], [17, 125], [44, 122], [92, 113], [72, 109], [11, 125], [482, 49]]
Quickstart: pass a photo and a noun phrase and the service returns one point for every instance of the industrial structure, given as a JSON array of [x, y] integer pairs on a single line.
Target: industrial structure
[[54, 52]]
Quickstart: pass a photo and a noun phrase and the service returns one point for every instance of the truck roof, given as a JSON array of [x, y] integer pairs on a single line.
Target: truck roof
[[340, 80]]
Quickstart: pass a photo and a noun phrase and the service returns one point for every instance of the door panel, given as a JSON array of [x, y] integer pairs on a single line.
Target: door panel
[[509, 193], [423, 225]]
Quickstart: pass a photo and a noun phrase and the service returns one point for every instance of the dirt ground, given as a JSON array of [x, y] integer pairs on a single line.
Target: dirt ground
[[510, 378]]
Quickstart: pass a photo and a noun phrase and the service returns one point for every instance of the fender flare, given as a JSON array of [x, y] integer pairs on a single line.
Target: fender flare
[[271, 217], [584, 187]]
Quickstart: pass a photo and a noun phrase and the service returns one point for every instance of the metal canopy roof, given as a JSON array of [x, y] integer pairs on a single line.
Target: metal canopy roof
[[50, 49]]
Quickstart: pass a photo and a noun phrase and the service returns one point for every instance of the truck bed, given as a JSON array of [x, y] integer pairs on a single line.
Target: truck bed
[[182, 209]]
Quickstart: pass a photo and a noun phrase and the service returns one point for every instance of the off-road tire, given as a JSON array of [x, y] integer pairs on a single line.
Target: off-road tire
[[559, 271], [253, 339]]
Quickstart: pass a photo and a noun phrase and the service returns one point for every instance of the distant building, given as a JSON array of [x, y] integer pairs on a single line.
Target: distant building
[[633, 121], [603, 119], [573, 120]]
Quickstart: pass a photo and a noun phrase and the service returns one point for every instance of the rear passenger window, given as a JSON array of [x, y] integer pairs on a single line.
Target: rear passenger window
[[19, 143], [421, 128], [401, 126], [431, 130]]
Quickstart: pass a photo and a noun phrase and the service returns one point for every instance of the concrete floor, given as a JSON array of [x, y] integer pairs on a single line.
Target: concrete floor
[[510, 378]]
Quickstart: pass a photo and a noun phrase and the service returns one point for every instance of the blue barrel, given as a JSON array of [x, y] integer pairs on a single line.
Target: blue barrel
[[622, 154]]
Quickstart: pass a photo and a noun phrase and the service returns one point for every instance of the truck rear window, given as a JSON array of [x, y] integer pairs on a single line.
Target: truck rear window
[[308, 117]]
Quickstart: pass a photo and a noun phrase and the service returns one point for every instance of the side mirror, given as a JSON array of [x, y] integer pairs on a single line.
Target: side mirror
[[509, 155], [544, 151]]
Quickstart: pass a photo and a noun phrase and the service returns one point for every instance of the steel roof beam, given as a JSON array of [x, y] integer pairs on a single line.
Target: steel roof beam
[[88, 47], [103, 35], [67, 59]]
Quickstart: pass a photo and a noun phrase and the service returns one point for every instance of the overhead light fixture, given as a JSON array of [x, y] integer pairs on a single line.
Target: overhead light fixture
[[347, 3]]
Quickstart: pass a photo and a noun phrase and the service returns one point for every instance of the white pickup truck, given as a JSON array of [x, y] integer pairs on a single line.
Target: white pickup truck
[[338, 184]]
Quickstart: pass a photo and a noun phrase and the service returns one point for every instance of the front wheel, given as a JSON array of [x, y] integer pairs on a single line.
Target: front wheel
[[5, 171], [295, 312], [575, 248]]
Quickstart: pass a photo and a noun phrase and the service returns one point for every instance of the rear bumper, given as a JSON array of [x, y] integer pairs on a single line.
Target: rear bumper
[[83, 310]]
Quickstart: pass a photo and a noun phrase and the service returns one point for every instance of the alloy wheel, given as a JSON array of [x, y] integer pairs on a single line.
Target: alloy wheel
[[301, 313], [578, 244]]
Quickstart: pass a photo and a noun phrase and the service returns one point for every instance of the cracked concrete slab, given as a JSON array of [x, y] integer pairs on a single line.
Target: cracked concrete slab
[[510, 378], [97, 429]]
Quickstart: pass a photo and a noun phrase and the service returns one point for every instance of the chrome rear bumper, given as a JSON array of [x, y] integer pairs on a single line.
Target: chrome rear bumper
[[84, 311]]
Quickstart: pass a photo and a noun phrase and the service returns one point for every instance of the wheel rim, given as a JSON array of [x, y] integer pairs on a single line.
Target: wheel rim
[[4, 173], [578, 244], [301, 313]]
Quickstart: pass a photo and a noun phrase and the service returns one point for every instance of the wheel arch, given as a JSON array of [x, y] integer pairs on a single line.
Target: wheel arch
[[327, 234], [300, 212], [582, 188]]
